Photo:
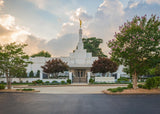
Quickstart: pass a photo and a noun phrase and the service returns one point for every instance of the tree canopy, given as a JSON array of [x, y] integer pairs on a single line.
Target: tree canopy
[[104, 65], [137, 45], [13, 61], [92, 45], [55, 66], [42, 54]]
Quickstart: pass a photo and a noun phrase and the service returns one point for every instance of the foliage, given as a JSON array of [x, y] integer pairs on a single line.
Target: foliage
[[47, 82], [55, 82], [13, 60], [123, 79], [69, 81], [118, 89], [92, 45], [38, 73], [104, 65], [63, 82], [37, 82], [130, 86], [42, 54], [153, 82], [2, 86], [55, 66], [29, 89], [140, 86], [31, 74], [157, 69], [136, 46], [91, 81]]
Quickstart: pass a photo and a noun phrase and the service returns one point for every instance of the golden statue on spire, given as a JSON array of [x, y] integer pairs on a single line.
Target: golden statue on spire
[[80, 22]]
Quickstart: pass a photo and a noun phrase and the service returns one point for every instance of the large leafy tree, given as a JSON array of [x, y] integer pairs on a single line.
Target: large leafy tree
[[42, 54], [92, 45], [137, 45], [13, 61], [104, 65], [55, 66]]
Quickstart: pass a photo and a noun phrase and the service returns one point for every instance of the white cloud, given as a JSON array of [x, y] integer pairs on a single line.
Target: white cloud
[[79, 14], [1, 2], [153, 1]]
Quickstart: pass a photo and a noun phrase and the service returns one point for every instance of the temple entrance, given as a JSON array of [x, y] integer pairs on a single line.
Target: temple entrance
[[79, 76]]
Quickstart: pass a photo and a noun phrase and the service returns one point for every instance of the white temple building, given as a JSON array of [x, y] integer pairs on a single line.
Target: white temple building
[[79, 62]]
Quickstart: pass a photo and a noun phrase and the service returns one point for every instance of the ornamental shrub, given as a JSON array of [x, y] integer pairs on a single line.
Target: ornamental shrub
[[130, 86], [2, 86], [153, 82], [140, 86], [63, 82], [91, 81], [69, 81]]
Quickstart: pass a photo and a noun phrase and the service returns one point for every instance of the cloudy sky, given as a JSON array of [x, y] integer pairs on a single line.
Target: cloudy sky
[[52, 25]]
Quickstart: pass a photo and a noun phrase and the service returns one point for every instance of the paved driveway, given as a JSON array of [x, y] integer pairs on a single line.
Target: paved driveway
[[74, 89]]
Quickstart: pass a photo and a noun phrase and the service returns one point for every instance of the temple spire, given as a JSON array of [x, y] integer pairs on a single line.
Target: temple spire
[[80, 43]]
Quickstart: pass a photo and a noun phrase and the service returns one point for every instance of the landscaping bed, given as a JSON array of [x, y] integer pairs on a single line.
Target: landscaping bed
[[28, 90], [138, 91]]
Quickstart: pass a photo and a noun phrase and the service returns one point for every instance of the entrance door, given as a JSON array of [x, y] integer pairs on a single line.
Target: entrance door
[[80, 76]]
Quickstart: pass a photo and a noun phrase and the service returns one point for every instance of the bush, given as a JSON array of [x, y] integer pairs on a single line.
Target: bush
[[140, 86], [69, 81], [153, 82], [91, 81], [47, 82], [2, 82], [39, 81], [130, 86], [55, 82], [14, 82], [2, 86], [63, 82], [123, 80]]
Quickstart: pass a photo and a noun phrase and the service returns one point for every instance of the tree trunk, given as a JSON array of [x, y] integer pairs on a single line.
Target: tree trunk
[[134, 78], [8, 81]]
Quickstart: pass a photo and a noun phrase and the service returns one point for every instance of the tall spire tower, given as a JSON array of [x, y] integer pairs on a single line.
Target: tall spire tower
[[80, 43]]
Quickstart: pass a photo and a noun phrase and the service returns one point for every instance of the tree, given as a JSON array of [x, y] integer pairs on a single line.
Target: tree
[[13, 60], [54, 66], [42, 54], [31, 74], [38, 73], [136, 46], [104, 65], [92, 45]]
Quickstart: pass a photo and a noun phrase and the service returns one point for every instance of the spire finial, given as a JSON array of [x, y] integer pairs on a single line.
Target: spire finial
[[80, 23]]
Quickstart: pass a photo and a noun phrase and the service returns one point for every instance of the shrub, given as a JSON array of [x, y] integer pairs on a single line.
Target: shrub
[[34, 82], [47, 82], [130, 86], [69, 81], [14, 82], [2, 82], [55, 82], [2, 86], [91, 81], [153, 82], [140, 86], [39, 81], [63, 82]]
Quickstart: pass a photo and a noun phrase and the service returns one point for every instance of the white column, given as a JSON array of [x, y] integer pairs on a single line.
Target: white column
[[70, 76], [88, 76], [41, 75], [118, 75]]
